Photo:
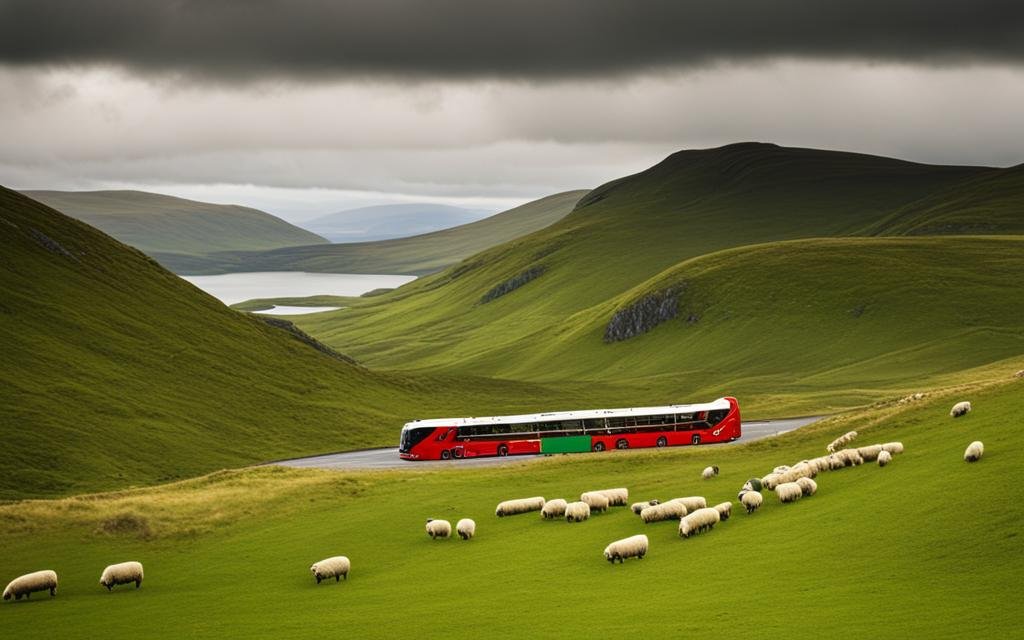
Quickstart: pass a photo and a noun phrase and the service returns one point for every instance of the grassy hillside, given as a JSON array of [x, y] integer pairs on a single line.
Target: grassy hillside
[[415, 255], [117, 372], [387, 221], [157, 224], [927, 547]]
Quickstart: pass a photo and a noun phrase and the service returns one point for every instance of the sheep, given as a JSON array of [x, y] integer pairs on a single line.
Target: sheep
[[755, 484], [699, 521], [893, 447], [122, 573], [752, 501], [637, 507], [692, 503], [821, 463], [596, 501], [807, 486], [914, 397], [789, 492], [841, 441], [960, 409], [671, 510], [616, 497], [709, 472], [577, 511], [1019, 374], [466, 528], [522, 505], [438, 529], [29, 583], [782, 468], [724, 510], [631, 547], [884, 458], [801, 470], [770, 480], [850, 457], [336, 567], [553, 509], [974, 451], [870, 454]]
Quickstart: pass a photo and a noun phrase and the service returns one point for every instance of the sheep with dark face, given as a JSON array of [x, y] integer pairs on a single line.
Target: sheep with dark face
[[960, 409], [30, 583], [699, 521], [553, 509], [631, 547], [807, 486], [577, 512], [336, 567], [724, 510], [789, 492], [752, 501], [884, 458], [709, 472], [466, 528], [637, 507], [122, 573], [438, 529], [974, 451]]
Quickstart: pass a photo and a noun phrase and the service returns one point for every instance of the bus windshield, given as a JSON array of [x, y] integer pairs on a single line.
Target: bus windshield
[[411, 437]]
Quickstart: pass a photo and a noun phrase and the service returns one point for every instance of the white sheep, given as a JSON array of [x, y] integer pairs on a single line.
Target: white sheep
[[466, 528], [29, 583], [1019, 374], [553, 509], [850, 457], [789, 492], [841, 441], [770, 480], [724, 510], [595, 500], [870, 453], [699, 521], [438, 529], [893, 447], [974, 451], [800, 470], [752, 501], [671, 510], [709, 472], [336, 567], [782, 468], [960, 409], [631, 547], [884, 458], [577, 511], [521, 505], [807, 486], [122, 573], [616, 497], [692, 503], [637, 507]]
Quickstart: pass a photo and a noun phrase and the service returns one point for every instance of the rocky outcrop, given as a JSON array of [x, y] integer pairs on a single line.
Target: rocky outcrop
[[513, 283], [645, 314]]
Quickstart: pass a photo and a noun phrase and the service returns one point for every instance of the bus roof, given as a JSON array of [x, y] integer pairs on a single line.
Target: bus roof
[[721, 403]]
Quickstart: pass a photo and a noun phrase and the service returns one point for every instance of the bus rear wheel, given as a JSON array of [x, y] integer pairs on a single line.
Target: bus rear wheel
[[622, 443], [598, 446], [662, 441], [503, 450], [445, 454], [457, 453], [695, 439]]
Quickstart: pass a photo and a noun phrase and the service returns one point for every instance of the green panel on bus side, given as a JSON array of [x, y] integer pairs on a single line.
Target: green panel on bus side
[[566, 444]]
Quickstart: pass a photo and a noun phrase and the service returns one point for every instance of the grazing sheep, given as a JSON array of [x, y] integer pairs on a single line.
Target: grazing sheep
[[692, 503], [29, 583], [850, 457], [960, 409], [466, 528], [596, 501], [616, 497], [709, 472], [782, 468], [637, 507], [724, 510], [800, 470], [122, 573], [553, 509], [884, 458], [671, 510], [807, 486], [789, 492], [769, 481], [522, 505], [974, 451], [841, 441], [870, 454], [438, 529], [1019, 374], [755, 484], [577, 511], [631, 547], [752, 501], [893, 447], [699, 521], [336, 567]]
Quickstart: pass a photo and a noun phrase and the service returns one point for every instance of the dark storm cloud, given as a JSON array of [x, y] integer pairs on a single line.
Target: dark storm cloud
[[247, 39]]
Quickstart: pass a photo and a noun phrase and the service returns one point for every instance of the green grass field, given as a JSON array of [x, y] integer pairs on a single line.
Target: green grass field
[[928, 547]]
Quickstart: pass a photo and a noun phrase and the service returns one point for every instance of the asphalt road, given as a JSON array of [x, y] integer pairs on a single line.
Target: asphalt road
[[388, 458]]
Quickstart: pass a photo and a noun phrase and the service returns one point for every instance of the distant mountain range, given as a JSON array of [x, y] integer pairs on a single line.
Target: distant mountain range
[[387, 221]]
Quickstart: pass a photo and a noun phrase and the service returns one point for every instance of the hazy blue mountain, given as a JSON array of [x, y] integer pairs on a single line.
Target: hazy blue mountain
[[386, 221]]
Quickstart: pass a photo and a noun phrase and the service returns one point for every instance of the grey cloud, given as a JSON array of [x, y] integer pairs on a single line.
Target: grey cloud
[[530, 39]]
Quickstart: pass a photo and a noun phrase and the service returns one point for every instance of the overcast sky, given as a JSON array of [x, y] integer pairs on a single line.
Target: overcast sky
[[305, 107]]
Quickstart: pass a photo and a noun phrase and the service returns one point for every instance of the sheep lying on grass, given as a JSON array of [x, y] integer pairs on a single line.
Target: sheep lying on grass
[[960, 409], [466, 528], [893, 447], [596, 501], [752, 501], [577, 511], [631, 547], [884, 458], [522, 505], [670, 510], [616, 497], [122, 573], [692, 503], [709, 472], [29, 583], [336, 567], [841, 441], [974, 451], [789, 492], [724, 510], [637, 507], [553, 509], [438, 529], [807, 486], [699, 521]]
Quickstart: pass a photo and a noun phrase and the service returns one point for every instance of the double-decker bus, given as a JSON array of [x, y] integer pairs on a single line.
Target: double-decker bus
[[571, 431]]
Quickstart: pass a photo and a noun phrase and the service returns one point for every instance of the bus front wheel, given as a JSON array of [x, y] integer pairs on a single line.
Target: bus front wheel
[[598, 446], [695, 439], [446, 454], [503, 450], [662, 441], [622, 444]]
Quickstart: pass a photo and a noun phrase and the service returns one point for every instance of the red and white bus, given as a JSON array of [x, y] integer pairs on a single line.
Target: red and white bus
[[571, 431]]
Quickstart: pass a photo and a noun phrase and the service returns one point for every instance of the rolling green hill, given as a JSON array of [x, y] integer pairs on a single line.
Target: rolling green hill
[[928, 547], [160, 225], [414, 255]]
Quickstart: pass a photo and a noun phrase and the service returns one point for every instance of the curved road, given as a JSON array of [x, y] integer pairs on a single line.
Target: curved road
[[388, 458]]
